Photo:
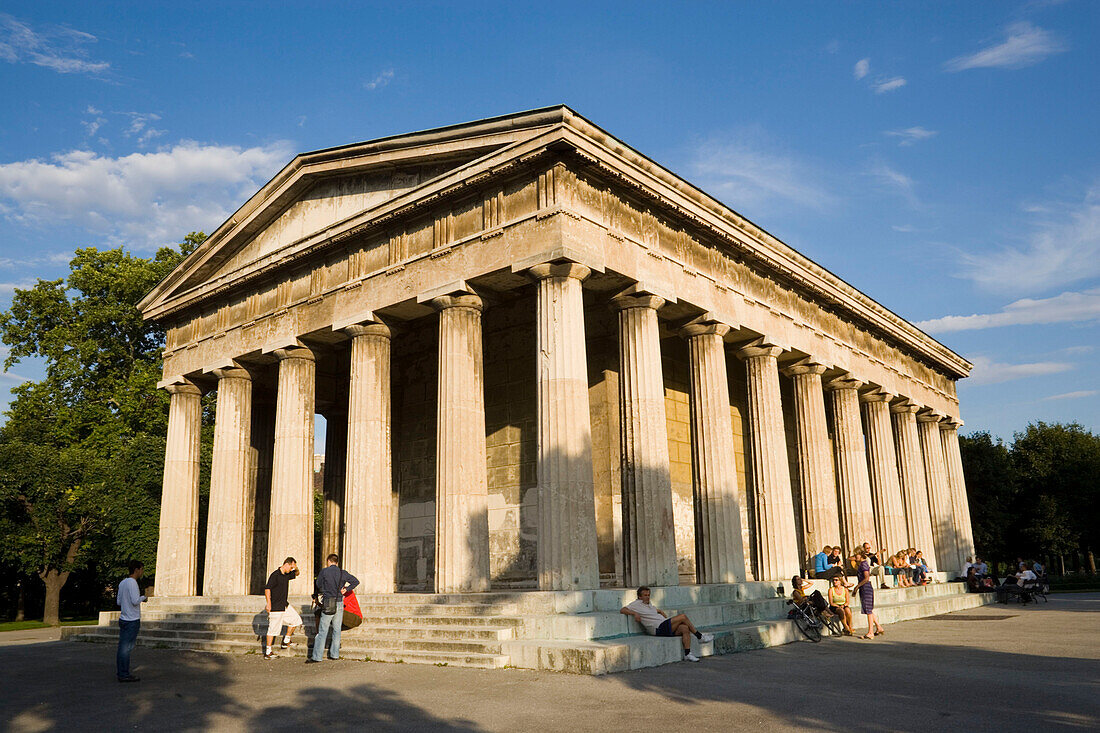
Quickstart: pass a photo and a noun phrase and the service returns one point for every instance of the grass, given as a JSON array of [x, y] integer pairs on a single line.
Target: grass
[[24, 625]]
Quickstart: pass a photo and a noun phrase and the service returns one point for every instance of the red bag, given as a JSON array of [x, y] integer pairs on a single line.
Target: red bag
[[353, 616]]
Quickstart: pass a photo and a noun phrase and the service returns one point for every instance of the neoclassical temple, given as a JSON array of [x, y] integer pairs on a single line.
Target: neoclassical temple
[[543, 361]]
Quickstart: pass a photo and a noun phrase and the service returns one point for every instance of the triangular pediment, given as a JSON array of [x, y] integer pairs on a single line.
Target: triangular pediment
[[317, 191], [328, 201]]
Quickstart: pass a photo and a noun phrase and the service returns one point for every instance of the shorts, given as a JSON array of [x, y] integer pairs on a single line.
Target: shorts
[[277, 619], [665, 629]]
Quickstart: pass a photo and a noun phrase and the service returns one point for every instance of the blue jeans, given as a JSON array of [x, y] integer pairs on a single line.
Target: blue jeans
[[127, 637], [335, 621]]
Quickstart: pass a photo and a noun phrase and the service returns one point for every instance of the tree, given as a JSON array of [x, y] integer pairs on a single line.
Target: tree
[[1057, 467], [992, 489], [77, 451]]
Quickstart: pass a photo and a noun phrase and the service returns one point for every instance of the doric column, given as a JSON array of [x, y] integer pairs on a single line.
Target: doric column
[[290, 531], [567, 558], [719, 549], [649, 533], [964, 534], [882, 462], [778, 545], [939, 493], [918, 520], [333, 488], [179, 505], [816, 473], [370, 513], [228, 544], [857, 514], [462, 490]]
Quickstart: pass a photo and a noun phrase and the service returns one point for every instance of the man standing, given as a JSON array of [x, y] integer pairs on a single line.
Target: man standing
[[279, 612], [331, 586], [656, 623], [129, 619]]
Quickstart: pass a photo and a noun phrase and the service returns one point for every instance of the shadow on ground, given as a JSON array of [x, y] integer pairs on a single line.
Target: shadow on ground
[[1022, 668]]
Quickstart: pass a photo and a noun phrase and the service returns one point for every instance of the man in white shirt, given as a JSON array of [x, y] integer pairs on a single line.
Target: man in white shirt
[[656, 622], [129, 619]]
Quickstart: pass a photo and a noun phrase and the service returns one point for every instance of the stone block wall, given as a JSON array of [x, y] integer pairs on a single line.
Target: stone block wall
[[511, 435], [414, 377]]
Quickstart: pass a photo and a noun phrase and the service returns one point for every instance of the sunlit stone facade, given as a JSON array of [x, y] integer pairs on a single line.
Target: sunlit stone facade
[[544, 362]]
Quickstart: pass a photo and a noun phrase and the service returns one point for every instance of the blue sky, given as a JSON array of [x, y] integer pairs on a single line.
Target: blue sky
[[943, 158]]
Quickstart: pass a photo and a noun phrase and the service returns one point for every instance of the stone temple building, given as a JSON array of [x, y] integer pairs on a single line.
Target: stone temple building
[[544, 362]]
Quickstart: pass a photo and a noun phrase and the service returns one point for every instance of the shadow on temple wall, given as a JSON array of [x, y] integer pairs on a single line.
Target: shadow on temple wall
[[69, 685]]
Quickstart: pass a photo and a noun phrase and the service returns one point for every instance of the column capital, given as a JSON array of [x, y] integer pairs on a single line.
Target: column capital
[[294, 352], [844, 382], [182, 386], [876, 397], [933, 417], [950, 423], [701, 327], [804, 367], [637, 300], [759, 347], [376, 328], [231, 372], [573, 270], [903, 407], [458, 300]]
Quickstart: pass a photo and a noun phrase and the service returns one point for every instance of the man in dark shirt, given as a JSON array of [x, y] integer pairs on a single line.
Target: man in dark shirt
[[332, 583], [279, 612], [823, 568]]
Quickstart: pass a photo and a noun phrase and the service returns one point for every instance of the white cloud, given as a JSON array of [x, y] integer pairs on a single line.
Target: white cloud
[[1024, 45], [882, 85], [143, 199], [57, 48], [862, 68], [746, 170], [896, 181], [381, 80], [1064, 308], [1072, 395], [911, 135], [987, 371], [1062, 247], [141, 129]]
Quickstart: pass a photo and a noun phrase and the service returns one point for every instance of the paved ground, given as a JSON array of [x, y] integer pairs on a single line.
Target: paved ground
[[994, 668]]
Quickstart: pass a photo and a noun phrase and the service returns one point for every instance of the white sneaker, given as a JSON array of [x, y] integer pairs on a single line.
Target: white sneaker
[[689, 657], [706, 638]]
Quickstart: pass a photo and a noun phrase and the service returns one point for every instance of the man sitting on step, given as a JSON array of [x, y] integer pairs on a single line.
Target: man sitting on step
[[279, 611], [656, 622]]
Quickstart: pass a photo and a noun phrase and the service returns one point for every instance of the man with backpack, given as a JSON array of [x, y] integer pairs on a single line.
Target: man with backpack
[[332, 584]]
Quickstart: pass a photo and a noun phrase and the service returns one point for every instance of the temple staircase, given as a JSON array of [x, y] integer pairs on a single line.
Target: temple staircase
[[566, 631]]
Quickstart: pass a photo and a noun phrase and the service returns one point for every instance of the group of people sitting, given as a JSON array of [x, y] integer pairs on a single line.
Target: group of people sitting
[[908, 567], [1029, 576]]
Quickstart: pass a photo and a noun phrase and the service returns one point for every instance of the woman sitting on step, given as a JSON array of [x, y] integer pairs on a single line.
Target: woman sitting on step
[[897, 566], [838, 603]]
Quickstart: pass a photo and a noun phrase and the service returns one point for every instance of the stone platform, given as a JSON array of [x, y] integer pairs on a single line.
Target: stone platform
[[566, 631]]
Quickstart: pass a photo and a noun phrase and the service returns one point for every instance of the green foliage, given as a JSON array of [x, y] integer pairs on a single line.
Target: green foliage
[[81, 453], [991, 489], [1041, 497]]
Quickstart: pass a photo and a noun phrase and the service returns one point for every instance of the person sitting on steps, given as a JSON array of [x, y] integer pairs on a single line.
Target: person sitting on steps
[[839, 605], [656, 622]]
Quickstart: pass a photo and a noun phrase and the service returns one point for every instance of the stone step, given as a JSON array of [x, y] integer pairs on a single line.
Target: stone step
[[421, 652], [259, 620], [608, 656], [493, 633], [348, 640]]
